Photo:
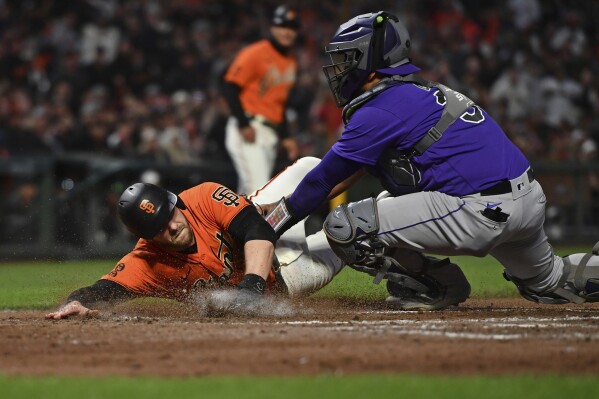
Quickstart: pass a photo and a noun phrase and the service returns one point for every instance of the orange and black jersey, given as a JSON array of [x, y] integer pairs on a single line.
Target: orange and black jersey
[[265, 77], [150, 270]]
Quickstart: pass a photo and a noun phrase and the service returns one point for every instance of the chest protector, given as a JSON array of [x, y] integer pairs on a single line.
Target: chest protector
[[399, 174]]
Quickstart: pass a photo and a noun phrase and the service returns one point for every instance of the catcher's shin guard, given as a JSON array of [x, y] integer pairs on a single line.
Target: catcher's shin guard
[[579, 282], [443, 284]]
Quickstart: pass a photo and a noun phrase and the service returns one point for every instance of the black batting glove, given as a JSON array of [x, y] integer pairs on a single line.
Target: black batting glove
[[252, 283], [249, 291]]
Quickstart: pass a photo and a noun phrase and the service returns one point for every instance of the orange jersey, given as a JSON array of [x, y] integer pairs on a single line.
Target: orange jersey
[[150, 270], [265, 77]]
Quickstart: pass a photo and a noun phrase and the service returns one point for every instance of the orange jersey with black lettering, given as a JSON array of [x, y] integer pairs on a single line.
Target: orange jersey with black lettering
[[150, 270], [265, 77]]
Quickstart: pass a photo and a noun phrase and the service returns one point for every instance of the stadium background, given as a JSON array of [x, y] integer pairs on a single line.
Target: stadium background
[[97, 94]]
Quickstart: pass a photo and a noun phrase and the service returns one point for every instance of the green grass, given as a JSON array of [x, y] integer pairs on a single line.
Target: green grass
[[37, 285], [43, 285], [347, 387]]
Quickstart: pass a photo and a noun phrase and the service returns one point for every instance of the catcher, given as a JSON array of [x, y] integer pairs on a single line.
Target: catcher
[[455, 184], [209, 237]]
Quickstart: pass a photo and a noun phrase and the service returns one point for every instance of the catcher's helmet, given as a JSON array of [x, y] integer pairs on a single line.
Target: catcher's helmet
[[287, 17], [145, 209], [369, 42]]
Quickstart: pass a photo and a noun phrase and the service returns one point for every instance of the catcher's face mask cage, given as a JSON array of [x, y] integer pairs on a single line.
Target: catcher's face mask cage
[[343, 77], [364, 44]]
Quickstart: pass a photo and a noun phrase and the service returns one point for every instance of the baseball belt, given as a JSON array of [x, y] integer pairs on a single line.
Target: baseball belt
[[504, 186], [264, 121]]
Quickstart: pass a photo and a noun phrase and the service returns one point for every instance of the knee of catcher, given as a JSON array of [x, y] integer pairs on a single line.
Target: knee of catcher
[[351, 230]]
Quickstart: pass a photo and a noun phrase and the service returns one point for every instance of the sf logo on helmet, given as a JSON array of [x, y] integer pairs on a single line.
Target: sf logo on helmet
[[147, 206]]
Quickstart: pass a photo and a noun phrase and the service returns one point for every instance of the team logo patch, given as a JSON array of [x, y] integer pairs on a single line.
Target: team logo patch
[[226, 196], [147, 206]]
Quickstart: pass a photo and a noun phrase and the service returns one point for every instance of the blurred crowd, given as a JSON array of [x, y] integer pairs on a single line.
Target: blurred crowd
[[140, 78]]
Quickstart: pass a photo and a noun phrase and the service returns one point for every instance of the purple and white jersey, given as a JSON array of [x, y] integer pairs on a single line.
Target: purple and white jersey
[[473, 154]]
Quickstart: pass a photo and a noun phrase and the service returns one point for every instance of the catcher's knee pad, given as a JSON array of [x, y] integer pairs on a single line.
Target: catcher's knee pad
[[351, 230], [443, 284], [579, 282]]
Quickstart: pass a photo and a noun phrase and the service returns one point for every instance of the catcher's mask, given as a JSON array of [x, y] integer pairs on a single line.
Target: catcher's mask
[[369, 42], [145, 209]]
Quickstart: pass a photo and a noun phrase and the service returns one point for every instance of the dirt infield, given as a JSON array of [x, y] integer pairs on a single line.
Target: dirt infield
[[320, 336]]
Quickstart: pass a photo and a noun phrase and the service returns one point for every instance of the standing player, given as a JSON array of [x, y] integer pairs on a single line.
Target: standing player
[[209, 237], [455, 183], [256, 87]]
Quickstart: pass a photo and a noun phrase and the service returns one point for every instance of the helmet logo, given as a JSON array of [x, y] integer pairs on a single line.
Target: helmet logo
[[291, 15], [147, 206]]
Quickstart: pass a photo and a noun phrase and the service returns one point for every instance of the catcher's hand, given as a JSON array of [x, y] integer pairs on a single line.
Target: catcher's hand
[[73, 308]]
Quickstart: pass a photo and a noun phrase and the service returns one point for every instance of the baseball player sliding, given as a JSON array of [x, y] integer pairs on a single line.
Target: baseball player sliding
[[256, 87], [209, 237], [455, 183]]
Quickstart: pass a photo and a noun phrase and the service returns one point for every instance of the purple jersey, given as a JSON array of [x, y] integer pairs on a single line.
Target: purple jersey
[[473, 154]]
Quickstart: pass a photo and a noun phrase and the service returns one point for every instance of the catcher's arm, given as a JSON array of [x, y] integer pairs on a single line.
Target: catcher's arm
[[81, 301], [337, 189]]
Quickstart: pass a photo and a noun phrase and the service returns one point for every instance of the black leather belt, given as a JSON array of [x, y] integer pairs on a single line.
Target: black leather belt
[[504, 186]]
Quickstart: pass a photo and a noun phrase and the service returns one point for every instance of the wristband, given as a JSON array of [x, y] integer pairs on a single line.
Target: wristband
[[281, 217], [252, 282]]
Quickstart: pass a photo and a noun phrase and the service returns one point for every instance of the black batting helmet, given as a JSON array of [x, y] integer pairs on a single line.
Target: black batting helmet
[[287, 17], [145, 209]]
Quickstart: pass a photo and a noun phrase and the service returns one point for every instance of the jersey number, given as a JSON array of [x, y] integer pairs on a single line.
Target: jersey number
[[476, 116]]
